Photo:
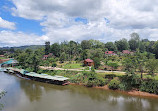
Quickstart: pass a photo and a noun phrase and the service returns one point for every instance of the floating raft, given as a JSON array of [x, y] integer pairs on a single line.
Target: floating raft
[[59, 80]]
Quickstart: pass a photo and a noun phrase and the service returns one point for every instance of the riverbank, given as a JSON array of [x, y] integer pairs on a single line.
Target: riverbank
[[132, 92], [94, 85]]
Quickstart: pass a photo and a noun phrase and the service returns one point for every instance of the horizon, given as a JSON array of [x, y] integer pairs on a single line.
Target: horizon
[[32, 23]]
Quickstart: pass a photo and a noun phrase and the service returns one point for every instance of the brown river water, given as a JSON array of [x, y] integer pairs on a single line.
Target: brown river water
[[27, 95]]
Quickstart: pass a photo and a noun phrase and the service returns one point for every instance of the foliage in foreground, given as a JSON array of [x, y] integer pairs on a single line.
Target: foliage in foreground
[[1, 95], [114, 84], [150, 86]]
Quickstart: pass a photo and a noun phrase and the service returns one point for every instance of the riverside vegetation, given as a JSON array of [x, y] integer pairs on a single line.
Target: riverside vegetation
[[1, 95], [140, 67]]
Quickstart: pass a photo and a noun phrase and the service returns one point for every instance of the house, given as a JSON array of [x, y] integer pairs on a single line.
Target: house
[[50, 54], [126, 52], [2, 56], [110, 53], [47, 56], [88, 62]]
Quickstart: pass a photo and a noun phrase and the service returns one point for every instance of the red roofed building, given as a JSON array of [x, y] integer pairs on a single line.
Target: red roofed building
[[2, 56], [126, 52], [110, 53], [88, 62], [47, 56], [50, 54]]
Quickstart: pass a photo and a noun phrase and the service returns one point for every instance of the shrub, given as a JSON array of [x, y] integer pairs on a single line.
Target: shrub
[[114, 84], [101, 81], [110, 76], [113, 65], [124, 86], [54, 64], [150, 86], [129, 82], [91, 83]]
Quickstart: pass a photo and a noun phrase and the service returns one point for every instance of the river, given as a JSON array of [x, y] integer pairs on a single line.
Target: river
[[27, 95]]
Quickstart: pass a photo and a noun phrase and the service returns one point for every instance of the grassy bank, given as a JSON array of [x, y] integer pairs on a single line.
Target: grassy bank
[[3, 58], [73, 66], [114, 81]]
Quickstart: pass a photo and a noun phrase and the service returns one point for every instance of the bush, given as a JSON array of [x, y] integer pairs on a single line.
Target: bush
[[129, 82], [110, 76], [114, 84], [54, 64], [101, 81], [113, 65], [91, 83], [124, 86], [150, 86]]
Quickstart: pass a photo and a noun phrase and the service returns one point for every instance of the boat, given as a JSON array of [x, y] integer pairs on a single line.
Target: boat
[[58, 80]]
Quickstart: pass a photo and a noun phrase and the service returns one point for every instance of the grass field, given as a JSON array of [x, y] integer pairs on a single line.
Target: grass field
[[115, 73], [73, 66], [3, 58]]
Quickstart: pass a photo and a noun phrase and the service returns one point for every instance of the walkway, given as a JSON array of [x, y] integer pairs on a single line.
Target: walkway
[[97, 71]]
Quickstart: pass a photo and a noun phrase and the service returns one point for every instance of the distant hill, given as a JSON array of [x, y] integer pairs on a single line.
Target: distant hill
[[33, 47]]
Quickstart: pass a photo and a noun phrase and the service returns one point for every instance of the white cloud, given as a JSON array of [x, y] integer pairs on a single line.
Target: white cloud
[[6, 24], [57, 18], [10, 38]]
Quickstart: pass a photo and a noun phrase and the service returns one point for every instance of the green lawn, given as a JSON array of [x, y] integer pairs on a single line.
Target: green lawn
[[107, 73], [3, 58], [73, 66], [156, 77]]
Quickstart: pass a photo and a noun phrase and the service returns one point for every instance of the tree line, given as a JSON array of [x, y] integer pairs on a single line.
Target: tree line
[[94, 48]]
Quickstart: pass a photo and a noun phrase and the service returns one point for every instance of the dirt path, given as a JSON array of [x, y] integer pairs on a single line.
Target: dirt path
[[98, 71]]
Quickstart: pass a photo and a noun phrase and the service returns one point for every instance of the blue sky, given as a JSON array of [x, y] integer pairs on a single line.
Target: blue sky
[[31, 22], [22, 24]]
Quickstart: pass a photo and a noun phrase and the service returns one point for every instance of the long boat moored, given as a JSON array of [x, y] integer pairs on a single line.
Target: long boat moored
[[59, 80]]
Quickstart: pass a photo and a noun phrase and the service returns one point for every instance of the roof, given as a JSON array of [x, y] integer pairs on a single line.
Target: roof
[[45, 55], [33, 74], [3, 60], [126, 52], [11, 61], [88, 60], [59, 78], [1, 55], [109, 52], [50, 54]]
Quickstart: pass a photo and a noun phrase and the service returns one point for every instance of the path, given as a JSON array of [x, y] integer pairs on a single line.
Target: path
[[80, 69]]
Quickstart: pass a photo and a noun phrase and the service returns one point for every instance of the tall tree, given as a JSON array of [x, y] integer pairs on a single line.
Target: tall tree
[[84, 55], [122, 44], [155, 47], [141, 62], [152, 66], [55, 49], [110, 46], [96, 44], [128, 62], [47, 47], [85, 44], [134, 42], [62, 57], [96, 62], [72, 49]]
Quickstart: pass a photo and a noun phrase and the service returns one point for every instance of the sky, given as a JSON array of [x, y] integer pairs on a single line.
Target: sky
[[32, 22]]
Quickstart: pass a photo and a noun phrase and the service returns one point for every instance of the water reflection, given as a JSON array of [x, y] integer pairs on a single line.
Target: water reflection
[[36, 96], [33, 91]]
